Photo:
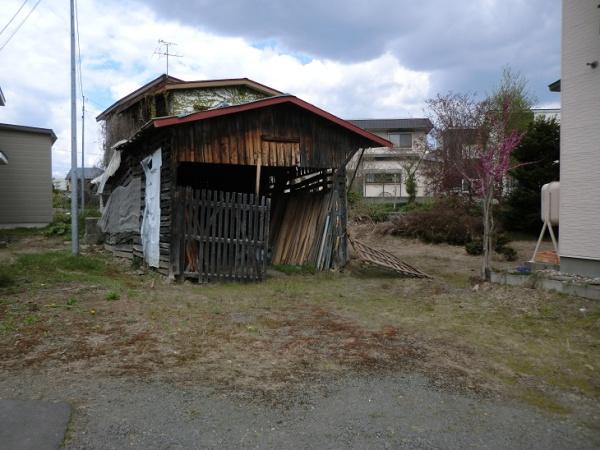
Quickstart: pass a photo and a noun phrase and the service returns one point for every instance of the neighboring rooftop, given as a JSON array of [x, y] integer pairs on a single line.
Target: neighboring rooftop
[[2, 99], [25, 129], [165, 83], [415, 124], [554, 87], [90, 173]]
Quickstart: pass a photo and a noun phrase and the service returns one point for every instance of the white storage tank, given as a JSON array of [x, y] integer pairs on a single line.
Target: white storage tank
[[550, 202]]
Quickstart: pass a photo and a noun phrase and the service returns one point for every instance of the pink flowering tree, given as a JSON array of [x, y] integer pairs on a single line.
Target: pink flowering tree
[[475, 142], [487, 165]]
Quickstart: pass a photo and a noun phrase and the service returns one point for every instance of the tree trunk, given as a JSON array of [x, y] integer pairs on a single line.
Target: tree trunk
[[488, 229]]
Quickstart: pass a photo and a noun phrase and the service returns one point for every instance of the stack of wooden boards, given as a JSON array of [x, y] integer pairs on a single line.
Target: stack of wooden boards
[[307, 229]]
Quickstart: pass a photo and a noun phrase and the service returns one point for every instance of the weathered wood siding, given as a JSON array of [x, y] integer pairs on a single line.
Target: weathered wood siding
[[131, 245], [283, 135]]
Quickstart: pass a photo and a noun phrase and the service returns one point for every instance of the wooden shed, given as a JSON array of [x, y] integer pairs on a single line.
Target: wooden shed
[[226, 191]]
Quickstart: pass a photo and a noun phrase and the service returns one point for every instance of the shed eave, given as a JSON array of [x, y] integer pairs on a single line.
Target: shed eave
[[218, 112]]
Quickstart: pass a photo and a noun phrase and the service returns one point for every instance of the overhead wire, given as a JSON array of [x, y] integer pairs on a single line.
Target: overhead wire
[[20, 25], [78, 50], [13, 17]]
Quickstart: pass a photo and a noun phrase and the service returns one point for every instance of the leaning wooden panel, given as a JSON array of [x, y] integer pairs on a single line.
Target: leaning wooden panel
[[386, 260]]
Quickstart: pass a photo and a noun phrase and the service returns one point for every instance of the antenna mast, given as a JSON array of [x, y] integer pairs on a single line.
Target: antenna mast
[[165, 52]]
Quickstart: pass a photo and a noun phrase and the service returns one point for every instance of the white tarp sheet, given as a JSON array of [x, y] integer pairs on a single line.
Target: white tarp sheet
[[122, 211], [111, 169], [150, 232]]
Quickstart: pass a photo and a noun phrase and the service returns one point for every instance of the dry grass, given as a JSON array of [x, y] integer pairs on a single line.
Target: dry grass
[[291, 330]]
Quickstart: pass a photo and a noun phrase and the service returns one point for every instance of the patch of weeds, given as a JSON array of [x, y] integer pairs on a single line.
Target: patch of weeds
[[540, 400], [7, 325], [132, 293], [31, 320], [290, 269], [136, 262], [60, 226], [6, 280], [54, 267], [71, 301], [112, 296], [253, 329], [15, 234]]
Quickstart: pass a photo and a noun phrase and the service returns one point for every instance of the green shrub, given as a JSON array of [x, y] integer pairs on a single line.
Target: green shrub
[[60, 199], [6, 278], [509, 253], [417, 206], [353, 198], [60, 226], [112, 296], [375, 212], [474, 247], [447, 220], [500, 242]]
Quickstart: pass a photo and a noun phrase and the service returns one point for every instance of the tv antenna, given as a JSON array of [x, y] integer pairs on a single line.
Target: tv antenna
[[163, 50]]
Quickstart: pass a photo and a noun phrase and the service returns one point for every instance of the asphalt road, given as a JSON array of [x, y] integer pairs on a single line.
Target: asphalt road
[[358, 412]]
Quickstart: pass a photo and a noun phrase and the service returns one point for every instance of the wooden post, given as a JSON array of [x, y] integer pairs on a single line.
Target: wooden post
[[362, 152], [258, 164]]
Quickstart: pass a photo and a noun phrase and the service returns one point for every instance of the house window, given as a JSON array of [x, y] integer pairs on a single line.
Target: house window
[[401, 140], [380, 178]]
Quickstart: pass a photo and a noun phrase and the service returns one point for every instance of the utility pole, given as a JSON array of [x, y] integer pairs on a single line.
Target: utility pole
[[166, 51], [74, 227], [82, 153]]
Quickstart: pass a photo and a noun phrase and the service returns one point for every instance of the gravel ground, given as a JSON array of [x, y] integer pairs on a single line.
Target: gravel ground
[[359, 412]]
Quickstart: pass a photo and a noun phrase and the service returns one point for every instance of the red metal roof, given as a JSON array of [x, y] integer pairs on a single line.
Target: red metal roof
[[270, 101]]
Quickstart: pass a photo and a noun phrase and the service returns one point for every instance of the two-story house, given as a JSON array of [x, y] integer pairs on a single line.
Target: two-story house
[[382, 173]]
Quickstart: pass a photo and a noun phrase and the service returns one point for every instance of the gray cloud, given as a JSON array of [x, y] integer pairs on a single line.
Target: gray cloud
[[464, 43]]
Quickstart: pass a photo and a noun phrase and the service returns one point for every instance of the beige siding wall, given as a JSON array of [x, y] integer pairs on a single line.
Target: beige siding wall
[[580, 131], [26, 181]]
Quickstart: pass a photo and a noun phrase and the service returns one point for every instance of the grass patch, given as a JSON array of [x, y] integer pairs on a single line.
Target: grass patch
[[543, 401], [539, 347], [112, 296], [14, 234], [53, 267], [289, 269], [6, 278]]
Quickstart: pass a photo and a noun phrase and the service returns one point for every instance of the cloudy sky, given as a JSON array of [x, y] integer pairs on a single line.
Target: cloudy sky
[[354, 58]]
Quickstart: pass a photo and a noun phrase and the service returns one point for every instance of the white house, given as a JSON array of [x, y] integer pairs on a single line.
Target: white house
[[579, 243], [546, 113], [382, 172]]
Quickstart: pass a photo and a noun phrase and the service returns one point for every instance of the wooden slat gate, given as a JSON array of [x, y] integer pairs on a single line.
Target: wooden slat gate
[[225, 235]]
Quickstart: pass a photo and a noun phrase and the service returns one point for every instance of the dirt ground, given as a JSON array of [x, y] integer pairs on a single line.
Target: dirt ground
[[97, 318]]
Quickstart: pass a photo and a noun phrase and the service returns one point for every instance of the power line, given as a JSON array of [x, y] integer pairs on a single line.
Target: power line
[[20, 25], [78, 51], [13, 17], [82, 107]]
